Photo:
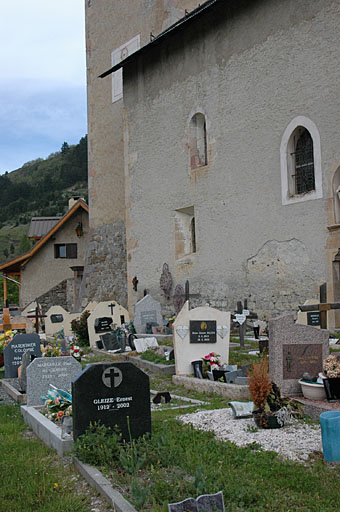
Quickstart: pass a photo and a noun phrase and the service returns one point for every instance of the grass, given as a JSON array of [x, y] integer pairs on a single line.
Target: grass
[[33, 477], [150, 355]]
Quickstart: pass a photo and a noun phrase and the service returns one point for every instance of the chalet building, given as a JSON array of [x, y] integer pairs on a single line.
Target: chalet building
[[51, 271]]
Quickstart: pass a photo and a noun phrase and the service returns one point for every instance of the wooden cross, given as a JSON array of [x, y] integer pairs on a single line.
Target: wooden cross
[[323, 307], [243, 326], [37, 317], [6, 322], [187, 295]]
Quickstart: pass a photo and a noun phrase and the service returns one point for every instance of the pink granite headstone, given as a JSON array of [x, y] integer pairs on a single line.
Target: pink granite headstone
[[293, 350]]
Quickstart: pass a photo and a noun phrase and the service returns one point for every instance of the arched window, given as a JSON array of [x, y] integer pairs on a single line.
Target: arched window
[[303, 161], [301, 175], [198, 141]]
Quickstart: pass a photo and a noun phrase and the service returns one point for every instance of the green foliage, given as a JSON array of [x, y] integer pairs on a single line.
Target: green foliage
[[150, 355], [12, 291], [33, 477], [79, 328], [99, 446]]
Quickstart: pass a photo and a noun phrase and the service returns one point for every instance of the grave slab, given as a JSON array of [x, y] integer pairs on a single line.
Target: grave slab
[[14, 351], [43, 371], [197, 332], [293, 350], [114, 394]]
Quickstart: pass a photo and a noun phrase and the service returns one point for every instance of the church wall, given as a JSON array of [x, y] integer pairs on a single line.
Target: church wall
[[109, 25], [250, 75], [44, 271]]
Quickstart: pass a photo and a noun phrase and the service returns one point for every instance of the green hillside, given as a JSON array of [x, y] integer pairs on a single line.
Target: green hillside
[[41, 187]]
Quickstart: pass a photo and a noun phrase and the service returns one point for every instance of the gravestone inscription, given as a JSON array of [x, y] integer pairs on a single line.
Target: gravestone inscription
[[202, 331], [43, 371], [116, 394], [14, 351]]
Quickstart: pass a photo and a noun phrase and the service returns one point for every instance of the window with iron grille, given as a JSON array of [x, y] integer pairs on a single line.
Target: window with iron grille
[[304, 163]]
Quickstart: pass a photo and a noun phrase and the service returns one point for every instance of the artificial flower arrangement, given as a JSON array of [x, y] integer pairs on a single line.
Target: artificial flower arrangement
[[171, 320], [5, 339], [51, 350], [212, 360], [331, 367], [57, 404], [76, 352]]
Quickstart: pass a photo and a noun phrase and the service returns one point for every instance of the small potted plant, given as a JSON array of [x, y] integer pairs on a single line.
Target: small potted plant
[[271, 410], [331, 381]]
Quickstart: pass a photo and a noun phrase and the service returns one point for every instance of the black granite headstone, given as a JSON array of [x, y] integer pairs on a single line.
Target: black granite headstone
[[14, 351], [110, 341], [56, 319], [112, 394]]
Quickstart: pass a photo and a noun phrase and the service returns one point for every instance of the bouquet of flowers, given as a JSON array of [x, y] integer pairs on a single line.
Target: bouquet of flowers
[[331, 367], [51, 350], [212, 360], [58, 403], [76, 352], [5, 338]]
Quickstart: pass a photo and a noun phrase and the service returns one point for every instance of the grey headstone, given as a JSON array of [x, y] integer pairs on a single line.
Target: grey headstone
[[26, 360], [43, 371], [204, 503], [241, 381], [230, 377], [14, 351], [242, 409], [147, 310], [293, 350]]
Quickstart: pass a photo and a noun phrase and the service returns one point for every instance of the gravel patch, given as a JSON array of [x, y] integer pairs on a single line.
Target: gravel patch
[[294, 441]]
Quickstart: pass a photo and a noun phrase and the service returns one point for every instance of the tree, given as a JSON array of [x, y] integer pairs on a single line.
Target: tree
[[12, 248], [64, 148], [6, 253]]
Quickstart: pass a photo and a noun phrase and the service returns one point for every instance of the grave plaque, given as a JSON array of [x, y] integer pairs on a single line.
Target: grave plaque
[[298, 359], [56, 319], [102, 324], [148, 316], [43, 371], [314, 318], [114, 394], [202, 331], [14, 351]]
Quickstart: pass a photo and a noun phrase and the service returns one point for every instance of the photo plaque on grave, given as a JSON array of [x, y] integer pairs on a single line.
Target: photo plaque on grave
[[202, 331], [314, 318], [298, 359], [56, 319]]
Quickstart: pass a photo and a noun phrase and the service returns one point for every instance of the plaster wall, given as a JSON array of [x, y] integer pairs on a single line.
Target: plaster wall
[[250, 70], [109, 25], [44, 271]]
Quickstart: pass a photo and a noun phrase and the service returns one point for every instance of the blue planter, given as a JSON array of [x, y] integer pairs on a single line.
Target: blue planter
[[330, 431]]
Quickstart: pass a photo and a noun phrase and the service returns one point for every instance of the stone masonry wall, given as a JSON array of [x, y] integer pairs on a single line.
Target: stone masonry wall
[[105, 270], [56, 296]]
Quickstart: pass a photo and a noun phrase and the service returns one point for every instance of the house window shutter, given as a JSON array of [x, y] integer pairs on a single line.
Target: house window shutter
[[71, 251]]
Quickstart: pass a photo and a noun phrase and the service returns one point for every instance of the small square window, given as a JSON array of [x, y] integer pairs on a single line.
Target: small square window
[[68, 251]]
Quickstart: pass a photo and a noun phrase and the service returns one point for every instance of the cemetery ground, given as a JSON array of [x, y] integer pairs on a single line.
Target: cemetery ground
[[177, 462]]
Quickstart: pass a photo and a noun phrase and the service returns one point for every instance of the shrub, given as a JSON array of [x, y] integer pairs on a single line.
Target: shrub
[[79, 328], [259, 383]]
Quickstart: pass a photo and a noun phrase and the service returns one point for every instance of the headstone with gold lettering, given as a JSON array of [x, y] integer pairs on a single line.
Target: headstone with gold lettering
[[293, 350]]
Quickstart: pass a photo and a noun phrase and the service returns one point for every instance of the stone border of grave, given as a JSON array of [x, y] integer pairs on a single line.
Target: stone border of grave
[[230, 391], [11, 391], [50, 434], [163, 369]]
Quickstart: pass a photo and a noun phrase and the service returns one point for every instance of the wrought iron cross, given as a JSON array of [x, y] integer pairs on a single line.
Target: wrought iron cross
[[37, 317], [180, 298]]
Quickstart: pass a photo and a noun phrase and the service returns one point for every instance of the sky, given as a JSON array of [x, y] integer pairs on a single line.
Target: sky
[[42, 78]]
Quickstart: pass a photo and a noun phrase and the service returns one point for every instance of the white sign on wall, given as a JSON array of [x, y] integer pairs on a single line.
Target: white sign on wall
[[117, 56]]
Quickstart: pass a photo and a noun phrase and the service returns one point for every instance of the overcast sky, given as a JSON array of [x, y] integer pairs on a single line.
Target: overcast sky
[[42, 80]]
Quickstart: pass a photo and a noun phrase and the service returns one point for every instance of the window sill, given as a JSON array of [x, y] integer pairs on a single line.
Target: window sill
[[186, 259]]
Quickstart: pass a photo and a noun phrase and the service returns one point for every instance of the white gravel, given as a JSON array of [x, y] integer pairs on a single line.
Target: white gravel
[[294, 441]]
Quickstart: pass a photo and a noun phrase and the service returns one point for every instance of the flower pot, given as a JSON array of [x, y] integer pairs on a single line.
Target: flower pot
[[332, 389], [330, 433], [266, 420], [312, 390], [198, 368]]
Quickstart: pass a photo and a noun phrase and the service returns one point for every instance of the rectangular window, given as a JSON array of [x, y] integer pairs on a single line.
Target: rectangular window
[[65, 251]]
